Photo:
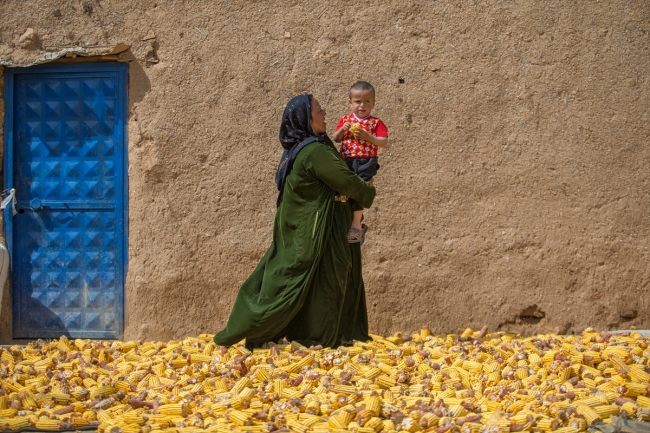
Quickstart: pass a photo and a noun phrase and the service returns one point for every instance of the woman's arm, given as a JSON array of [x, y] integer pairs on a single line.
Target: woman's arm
[[324, 163]]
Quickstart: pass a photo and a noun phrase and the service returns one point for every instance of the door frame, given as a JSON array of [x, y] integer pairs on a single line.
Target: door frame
[[121, 119]]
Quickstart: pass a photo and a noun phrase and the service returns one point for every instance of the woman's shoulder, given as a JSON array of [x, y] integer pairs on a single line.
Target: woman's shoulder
[[316, 153], [320, 146]]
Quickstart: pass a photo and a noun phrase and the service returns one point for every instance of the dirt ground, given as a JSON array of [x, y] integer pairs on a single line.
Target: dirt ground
[[514, 193]]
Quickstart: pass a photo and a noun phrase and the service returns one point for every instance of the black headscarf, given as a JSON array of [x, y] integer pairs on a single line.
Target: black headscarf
[[295, 126], [295, 134]]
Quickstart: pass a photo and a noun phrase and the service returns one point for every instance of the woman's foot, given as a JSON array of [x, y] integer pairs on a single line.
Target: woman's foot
[[357, 235]]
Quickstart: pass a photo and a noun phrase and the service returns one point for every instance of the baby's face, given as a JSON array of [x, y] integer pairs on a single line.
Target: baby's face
[[362, 102]]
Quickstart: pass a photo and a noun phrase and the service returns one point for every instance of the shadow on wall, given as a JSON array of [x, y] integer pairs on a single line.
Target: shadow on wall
[[38, 316], [33, 314], [42, 318], [139, 83], [5, 314], [5, 300]]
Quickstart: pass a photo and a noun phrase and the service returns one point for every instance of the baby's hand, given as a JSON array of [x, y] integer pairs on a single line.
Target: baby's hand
[[362, 134], [346, 126]]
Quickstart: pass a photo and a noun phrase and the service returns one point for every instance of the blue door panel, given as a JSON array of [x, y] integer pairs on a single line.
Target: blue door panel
[[65, 157]]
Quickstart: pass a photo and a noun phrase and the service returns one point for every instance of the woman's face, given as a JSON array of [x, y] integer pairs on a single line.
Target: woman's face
[[317, 118]]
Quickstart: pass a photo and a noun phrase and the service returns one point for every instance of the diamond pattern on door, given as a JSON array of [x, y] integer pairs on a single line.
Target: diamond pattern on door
[[69, 235]]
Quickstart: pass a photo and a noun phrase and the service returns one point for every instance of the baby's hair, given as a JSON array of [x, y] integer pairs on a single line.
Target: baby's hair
[[362, 86]]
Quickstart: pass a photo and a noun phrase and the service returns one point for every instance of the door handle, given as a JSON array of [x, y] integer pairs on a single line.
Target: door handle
[[38, 204], [35, 204]]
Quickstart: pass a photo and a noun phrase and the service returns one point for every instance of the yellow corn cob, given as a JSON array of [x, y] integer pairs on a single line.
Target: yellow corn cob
[[579, 424], [373, 404], [471, 427], [343, 389], [312, 407], [643, 401], [374, 423], [174, 409], [178, 362], [371, 372], [200, 358], [595, 400], [466, 333], [5, 355], [242, 383], [523, 376], [410, 425], [235, 402], [101, 392], [278, 386], [634, 389], [591, 416], [385, 368], [28, 401], [12, 385], [123, 385], [341, 419], [262, 374], [60, 398], [238, 417], [491, 366], [606, 410], [385, 382], [79, 422], [472, 366], [296, 426], [630, 409], [48, 424], [457, 411], [90, 415], [16, 423], [548, 424]]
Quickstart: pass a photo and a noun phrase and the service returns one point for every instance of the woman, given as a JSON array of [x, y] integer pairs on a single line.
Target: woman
[[308, 286]]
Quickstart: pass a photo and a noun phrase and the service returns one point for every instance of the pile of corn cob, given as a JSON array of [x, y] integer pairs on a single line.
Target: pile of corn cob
[[451, 383]]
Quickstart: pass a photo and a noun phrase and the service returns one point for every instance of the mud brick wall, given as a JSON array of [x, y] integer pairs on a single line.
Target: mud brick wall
[[514, 193]]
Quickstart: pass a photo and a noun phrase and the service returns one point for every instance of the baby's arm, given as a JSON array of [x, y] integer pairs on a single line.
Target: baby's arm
[[338, 135]]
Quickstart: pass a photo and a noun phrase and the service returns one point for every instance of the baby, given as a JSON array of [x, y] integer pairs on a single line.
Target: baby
[[362, 135]]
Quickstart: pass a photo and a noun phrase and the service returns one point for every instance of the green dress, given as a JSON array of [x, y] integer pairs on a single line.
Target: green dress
[[308, 286]]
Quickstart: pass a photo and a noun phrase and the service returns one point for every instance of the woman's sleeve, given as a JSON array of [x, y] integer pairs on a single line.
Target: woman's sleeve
[[327, 166]]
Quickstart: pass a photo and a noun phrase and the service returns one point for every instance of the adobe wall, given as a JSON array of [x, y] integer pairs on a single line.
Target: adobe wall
[[514, 194]]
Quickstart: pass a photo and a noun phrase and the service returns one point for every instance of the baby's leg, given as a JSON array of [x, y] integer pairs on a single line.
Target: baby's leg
[[357, 215]]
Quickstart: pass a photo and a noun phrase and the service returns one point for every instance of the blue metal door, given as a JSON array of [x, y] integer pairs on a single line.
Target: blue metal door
[[65, 156]]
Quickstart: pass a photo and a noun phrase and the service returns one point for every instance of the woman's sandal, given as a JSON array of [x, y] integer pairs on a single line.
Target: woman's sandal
[[364, 229], [357, 236]]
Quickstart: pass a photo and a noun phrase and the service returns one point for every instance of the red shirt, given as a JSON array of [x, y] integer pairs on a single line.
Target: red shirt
[[353, 148]]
